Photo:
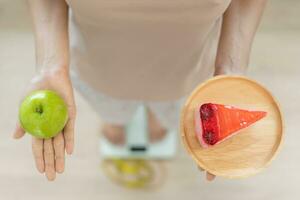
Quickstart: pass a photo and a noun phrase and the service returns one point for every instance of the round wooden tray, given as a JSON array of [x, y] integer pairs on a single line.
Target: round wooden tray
[[251, 150]]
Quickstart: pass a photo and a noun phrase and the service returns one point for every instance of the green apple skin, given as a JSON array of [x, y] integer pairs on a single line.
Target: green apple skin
[[43, 114]]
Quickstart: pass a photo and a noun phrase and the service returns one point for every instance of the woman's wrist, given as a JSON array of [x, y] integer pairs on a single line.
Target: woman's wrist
[[50, 70], [229, 70], [231, 61]]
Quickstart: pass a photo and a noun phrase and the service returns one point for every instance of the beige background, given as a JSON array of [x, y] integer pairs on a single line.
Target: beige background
[[275, 63]]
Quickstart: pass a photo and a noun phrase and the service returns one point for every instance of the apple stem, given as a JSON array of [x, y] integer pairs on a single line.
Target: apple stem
[[39, 109]]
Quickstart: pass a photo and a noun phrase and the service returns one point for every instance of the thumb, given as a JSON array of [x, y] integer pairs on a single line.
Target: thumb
[[19, 131], [210, 176]]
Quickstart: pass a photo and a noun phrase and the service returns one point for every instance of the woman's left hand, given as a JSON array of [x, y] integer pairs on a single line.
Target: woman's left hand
[[219, 71], [209, 176]]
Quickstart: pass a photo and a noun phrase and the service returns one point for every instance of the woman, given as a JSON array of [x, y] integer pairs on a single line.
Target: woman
[[126, 52]]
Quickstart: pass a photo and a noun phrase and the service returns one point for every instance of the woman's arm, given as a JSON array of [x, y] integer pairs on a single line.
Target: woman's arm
[[240, 22], [52, 59], [50, 22]]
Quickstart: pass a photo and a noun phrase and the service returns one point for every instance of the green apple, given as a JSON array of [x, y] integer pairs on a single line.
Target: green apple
[[43, 114]]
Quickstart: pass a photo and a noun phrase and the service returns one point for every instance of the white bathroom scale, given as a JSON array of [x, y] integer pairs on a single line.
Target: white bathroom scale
[[137, 145]]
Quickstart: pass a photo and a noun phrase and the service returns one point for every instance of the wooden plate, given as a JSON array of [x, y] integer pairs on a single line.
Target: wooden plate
[[251, 150]]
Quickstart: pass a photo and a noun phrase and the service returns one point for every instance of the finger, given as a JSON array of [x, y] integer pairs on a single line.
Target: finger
[[210, 176], [19, 131], [59, 150], [49, 159], [69, 131], [37, 150], [200, 168]]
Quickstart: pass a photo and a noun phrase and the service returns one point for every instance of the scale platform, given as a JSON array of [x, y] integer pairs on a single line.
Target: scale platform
[[137, 145]]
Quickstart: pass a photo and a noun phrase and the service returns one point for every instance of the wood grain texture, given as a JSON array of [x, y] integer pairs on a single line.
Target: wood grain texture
[[251, 150]]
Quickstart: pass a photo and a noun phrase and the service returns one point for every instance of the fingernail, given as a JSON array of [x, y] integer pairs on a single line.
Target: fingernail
[[41, 170], [15, 136], [51, 179], [60, 170], [69, 151]]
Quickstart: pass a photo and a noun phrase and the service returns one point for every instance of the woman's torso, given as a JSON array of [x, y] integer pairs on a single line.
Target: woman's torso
[[145, 49]]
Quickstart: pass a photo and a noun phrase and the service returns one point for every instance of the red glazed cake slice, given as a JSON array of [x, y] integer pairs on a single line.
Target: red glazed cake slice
[[215, 122]]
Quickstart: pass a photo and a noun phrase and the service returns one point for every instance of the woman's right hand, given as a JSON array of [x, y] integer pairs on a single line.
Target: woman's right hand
[[49, 154]]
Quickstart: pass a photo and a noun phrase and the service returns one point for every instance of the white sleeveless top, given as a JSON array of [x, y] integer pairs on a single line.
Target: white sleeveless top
[[145, 49]]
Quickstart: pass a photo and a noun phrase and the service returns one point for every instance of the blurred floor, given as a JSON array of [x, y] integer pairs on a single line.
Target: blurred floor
[[275, 63]]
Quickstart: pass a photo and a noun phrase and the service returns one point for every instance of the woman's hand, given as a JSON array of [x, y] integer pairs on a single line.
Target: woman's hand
[[49, 154], [209, 176]]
